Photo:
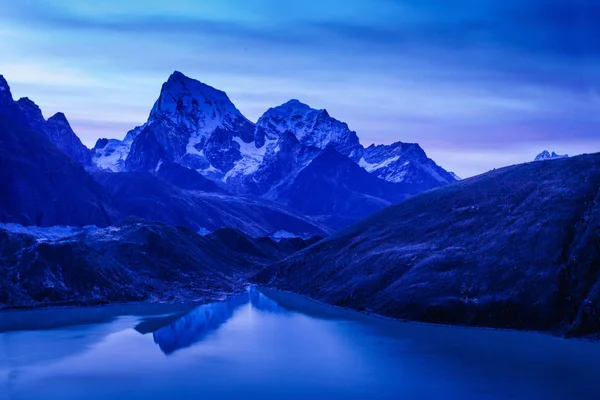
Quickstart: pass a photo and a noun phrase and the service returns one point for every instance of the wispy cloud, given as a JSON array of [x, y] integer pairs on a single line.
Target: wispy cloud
[[478, 76]]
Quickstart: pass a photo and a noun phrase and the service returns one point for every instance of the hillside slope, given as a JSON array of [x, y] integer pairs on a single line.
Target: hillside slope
[[517, 247], [42, 185], [133, 261]]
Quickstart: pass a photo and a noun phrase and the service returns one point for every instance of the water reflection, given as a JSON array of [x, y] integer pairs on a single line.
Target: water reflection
[[199, 323]]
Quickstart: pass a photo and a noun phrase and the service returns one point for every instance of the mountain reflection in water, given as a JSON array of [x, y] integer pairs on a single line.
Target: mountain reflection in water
[[205, 319]]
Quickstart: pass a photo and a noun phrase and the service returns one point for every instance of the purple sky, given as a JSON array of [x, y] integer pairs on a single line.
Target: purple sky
[[478, 83]]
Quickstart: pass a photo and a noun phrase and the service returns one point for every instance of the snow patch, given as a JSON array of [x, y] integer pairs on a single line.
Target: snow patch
[[112, 156], [277, 236], [203, 231], [374, 167], [43, 234], [252, 157]]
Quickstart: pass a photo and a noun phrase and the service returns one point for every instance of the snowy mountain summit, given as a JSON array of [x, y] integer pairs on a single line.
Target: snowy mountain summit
[[546, 155], [196, 126], [311, 127]]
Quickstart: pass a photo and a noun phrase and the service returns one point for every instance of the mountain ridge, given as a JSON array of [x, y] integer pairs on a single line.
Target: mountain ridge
[[514, 248], [198, 127]]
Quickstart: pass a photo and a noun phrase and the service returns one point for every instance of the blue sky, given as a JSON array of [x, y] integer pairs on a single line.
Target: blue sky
[[478, 83]]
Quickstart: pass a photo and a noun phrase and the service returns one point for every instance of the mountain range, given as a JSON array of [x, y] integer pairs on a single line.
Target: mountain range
[[198, 161], [186, 206], [134, 260]]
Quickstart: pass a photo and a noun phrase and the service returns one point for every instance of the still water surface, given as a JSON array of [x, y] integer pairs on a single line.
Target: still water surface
[[278, 347]]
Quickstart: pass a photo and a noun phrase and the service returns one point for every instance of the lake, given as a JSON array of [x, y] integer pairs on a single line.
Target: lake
[[272, 345]]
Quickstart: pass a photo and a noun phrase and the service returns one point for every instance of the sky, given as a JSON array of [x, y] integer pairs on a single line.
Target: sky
[[479, 84]]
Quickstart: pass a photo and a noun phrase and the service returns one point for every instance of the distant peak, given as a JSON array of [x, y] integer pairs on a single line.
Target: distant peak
[[32, 111], [196, 101], [546, 155], [3, 84], [5, 94], [101, 143], [27, 103], [59, 118], [180, 84], [296, 104], [26, 100], [178, 76]]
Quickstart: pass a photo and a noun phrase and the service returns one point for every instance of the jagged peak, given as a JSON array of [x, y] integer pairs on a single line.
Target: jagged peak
[[295, 105], [293, 108], [27, 101], [59, 118], [181, 94], [3, 83], [178, 80], [101, 143], [5, 94], [394, 146], [177, 75], [31, 110]]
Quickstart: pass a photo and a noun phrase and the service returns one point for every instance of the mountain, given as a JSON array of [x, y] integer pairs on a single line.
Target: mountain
[[311, 127], [57, 129], [546, 155], [135, 260], [335, 190], [46, 186], [148, 196], [196, 126], [41, 184], [516, 247], [193, 124], [404, 162]]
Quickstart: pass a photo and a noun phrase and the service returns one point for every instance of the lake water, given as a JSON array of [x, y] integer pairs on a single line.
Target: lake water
[[278, 347]]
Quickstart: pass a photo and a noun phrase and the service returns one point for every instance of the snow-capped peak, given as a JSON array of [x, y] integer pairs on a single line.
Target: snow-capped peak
[[546, 155], [182, 97], [312, 127]]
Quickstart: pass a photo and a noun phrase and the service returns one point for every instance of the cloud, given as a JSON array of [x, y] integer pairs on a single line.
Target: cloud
[[488, 76]]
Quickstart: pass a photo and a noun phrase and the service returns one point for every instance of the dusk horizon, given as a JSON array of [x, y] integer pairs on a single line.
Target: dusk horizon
[[475, 91]]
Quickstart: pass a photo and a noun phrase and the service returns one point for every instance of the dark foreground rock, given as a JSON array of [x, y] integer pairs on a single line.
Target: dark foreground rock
[[517, 247], [131, 262]]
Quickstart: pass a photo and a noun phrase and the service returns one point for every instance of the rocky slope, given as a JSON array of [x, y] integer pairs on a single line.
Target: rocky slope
[[518, 247], [57, 129], [41, 184], [145, 195], [336, 191], [132, 261]]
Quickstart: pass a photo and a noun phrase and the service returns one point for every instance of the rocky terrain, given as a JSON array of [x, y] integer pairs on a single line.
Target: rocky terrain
[[135, 261], [48, 179], [517, 247], [41, 185]]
